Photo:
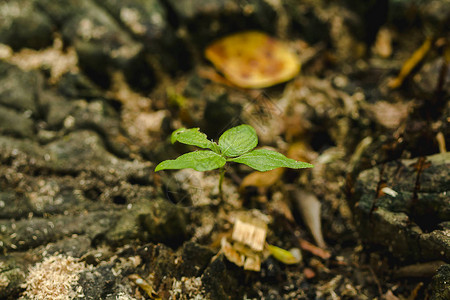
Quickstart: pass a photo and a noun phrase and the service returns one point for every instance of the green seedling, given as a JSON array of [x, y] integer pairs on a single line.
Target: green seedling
[[235, 145]]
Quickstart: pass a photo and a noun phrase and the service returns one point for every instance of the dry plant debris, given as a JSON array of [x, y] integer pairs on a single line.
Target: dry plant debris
[[411, 63], [56, 58], [144, 285], [310, 208], [54, 278], [293, 256], [253, 59], [248, 247], [248, 239], [250, 234]]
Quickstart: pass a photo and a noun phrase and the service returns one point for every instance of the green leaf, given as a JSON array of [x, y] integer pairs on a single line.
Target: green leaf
[[203, 160], [238, 140], [266, 160], [192, 137]]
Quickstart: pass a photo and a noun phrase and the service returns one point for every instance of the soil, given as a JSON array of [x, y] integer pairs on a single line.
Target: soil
[[91, 90]]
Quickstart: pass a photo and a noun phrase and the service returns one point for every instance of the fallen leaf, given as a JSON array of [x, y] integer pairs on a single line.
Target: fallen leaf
[[285, 256], [210, 74], [301, 151], [309, 207], [262, 179], [231, 254], [278, 204], [241, 255], [253, 59]]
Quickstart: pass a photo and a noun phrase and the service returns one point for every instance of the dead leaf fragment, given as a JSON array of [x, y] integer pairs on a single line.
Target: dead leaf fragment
[[144, 285], [253, 263], [253, 59], [250, 234], [279, 205], [309, 207], [301, 151], [262, 179], [287, 257], [241, 255], [231, 254]]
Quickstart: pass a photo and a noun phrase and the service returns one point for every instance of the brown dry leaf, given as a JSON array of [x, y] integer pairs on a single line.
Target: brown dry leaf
[[262, 179], [279, 204], [241, 255], [212, 75], [253, 59], [301, 151], [231, 254]]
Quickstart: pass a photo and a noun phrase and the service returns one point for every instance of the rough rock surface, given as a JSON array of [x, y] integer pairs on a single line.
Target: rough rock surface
[[408, 197]]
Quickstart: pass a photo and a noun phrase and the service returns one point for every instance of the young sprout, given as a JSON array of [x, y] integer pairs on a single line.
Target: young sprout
[[235, 145]]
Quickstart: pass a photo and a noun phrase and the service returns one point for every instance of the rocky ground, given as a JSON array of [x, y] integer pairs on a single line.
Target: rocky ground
[[91, 90]]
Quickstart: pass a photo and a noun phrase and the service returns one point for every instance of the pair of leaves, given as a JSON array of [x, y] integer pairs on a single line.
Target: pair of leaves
[[235, 145]]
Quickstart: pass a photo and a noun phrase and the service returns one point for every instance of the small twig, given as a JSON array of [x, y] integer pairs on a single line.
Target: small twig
[[377, 282], [411, 63]]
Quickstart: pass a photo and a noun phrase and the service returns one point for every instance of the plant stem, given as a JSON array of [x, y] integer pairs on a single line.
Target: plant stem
[[222, 175]]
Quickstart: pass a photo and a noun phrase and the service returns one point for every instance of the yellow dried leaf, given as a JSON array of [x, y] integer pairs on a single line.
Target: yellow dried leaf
[[253, 59], [262, 179], [284, 256], [301, 151]]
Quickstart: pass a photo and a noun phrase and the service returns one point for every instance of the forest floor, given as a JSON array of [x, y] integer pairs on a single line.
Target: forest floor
[[90, 92]]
